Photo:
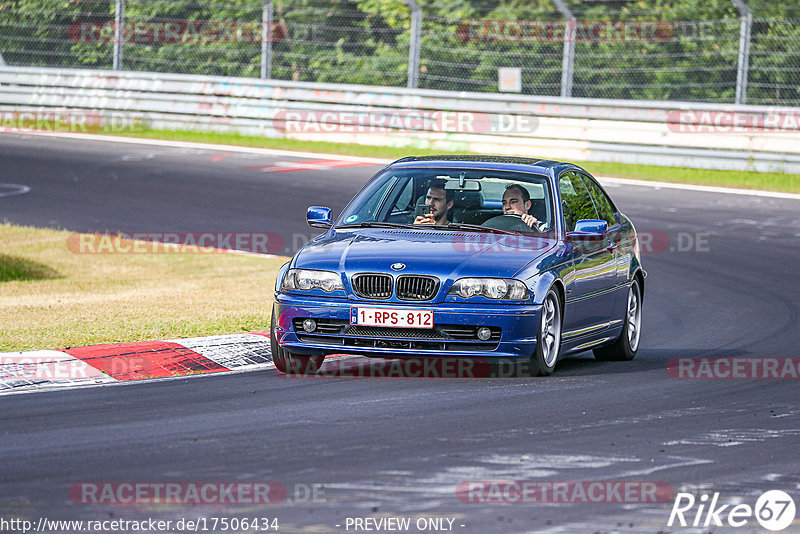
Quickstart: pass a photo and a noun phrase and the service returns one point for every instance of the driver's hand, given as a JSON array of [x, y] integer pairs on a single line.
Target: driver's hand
[[424, 219], [528, 219]]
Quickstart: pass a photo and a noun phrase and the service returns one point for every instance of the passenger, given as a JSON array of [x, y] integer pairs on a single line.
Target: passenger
[[440, 201]]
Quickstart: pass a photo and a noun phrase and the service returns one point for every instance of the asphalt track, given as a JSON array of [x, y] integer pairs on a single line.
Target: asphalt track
[[725, 284]]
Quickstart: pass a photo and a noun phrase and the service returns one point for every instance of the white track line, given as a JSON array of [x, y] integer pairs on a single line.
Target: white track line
[[209, 146], [16, 189], [382, 161]]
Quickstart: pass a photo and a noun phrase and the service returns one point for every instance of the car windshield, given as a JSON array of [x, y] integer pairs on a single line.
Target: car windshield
[[454, 199]]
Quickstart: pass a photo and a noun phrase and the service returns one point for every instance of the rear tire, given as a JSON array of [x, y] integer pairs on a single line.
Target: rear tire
[[548, 337], [289, 363], [625, 347]]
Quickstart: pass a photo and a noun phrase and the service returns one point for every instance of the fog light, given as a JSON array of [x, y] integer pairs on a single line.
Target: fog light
[[309, 325], [484, 333]]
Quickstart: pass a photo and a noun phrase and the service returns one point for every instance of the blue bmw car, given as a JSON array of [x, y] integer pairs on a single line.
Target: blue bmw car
[[464, 257]]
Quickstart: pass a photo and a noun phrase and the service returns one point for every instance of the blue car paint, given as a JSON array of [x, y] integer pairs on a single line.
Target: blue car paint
[[593, 283]]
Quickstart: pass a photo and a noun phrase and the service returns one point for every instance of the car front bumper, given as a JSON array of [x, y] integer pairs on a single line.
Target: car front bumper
[[514, 329]]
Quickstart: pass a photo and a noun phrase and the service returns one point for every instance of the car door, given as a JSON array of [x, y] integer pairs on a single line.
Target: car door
[[592, 278], [613, 239]]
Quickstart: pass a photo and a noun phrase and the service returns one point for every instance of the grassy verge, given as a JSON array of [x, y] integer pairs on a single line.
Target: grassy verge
[[53, 298], [788, 183]]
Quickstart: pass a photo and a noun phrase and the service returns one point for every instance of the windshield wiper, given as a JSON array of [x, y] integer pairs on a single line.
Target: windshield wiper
[[476, 228], [377, 224], [449, 226]]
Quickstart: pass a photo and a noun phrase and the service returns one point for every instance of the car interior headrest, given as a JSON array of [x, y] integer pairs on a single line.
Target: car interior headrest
[[468, 200]]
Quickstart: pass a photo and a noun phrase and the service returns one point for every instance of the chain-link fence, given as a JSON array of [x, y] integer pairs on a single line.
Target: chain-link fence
[[745, 51]]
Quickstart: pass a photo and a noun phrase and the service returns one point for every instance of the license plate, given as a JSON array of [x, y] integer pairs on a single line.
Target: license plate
[[391, 317]]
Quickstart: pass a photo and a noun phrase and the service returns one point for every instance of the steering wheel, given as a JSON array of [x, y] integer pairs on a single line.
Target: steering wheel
[[512, 222]]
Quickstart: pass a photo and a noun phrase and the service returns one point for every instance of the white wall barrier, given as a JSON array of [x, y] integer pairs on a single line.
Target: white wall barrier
[[681, 134]]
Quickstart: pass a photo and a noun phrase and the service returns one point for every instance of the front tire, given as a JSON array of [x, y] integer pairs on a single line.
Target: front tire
[[289, 363], [626, 345], [548, 337]]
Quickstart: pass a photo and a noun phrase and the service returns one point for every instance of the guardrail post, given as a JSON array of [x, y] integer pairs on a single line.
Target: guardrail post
[[266, 40], [568, 55], [744, 51], [414, 43], [119, 20]]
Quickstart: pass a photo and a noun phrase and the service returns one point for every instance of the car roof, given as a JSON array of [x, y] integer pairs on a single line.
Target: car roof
[[467, 161]]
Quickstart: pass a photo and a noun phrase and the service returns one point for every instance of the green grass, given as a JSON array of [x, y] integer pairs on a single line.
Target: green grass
[[323, 147], [52, 297], [13, 268], [788, 183], [766, 181]]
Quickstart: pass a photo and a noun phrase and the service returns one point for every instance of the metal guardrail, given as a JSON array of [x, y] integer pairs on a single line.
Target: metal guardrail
[[715, 136]]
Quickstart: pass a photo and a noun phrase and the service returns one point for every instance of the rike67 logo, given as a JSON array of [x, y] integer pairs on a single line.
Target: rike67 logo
[[773, 510]]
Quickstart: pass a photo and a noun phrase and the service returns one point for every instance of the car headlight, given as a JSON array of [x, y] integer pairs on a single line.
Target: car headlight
[[492, 288], [306, 280]]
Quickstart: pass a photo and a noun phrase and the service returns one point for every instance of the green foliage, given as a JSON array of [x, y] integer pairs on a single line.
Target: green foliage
[[36, 32], [693, 56]]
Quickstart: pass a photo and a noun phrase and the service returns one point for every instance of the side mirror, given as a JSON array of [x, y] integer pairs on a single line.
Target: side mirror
[[588, 235], [590, 228], [319, 217]]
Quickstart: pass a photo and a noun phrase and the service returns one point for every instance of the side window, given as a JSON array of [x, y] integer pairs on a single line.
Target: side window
[[601, 201], [369, 210], [403, 201], [575, 200]]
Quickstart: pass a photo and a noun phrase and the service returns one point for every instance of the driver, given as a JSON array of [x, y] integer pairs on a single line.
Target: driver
[[439, 201], [517, 201]]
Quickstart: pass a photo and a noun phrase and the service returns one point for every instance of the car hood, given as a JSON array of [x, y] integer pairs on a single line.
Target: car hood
[[448, 255]]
